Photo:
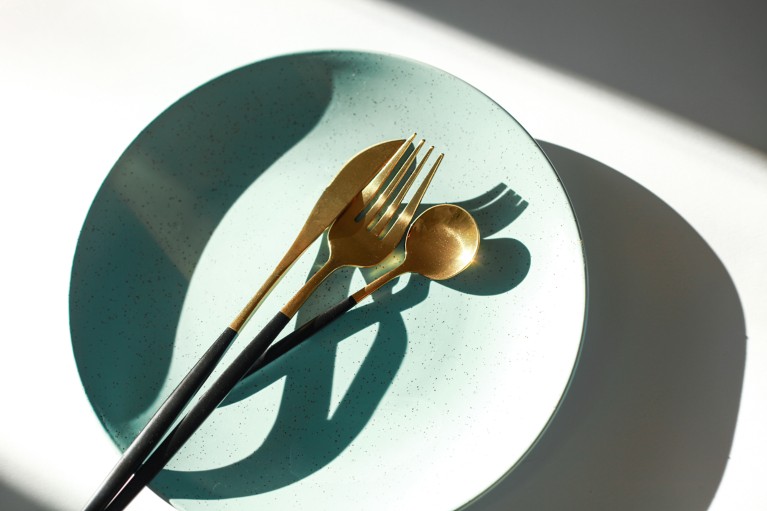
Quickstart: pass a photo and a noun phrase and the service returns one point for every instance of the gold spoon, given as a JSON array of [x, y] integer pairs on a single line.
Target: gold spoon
[[440, 244]]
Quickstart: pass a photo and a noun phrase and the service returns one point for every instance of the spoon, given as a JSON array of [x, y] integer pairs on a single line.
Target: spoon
[[440, 244]]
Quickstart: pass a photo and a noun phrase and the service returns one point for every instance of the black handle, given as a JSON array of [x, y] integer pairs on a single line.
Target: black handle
[[302, 333], [160, 422], [199, 412]]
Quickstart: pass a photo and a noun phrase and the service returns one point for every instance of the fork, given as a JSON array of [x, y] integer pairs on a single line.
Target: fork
[[363, 235], [366, 232]]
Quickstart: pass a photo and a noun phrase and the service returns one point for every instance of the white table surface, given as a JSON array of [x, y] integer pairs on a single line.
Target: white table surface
[[79, 80]]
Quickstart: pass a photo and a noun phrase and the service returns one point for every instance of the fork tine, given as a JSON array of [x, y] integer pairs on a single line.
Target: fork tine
[[376, 184], [403, 220], [381, 200], [382, 222]]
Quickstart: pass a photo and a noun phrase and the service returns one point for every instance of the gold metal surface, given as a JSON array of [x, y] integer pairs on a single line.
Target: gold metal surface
[[441, 243], [382, 222], [364, 168], [366, 241]]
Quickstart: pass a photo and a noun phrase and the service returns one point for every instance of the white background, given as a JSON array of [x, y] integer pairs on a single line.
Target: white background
[[79, 80]]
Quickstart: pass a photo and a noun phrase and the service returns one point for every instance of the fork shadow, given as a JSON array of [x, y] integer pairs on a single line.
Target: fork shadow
[[305, 436]]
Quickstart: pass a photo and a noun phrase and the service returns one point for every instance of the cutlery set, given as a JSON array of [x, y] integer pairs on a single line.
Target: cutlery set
[[362, 212]]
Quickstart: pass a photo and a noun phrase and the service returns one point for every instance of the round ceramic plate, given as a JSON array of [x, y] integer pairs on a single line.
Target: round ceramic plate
[[421, 397]]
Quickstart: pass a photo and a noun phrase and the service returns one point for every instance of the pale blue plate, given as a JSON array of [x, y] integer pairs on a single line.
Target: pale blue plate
[[420, 399]]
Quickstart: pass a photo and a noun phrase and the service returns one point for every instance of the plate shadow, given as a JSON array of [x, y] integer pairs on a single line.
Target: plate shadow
[[649, 416]]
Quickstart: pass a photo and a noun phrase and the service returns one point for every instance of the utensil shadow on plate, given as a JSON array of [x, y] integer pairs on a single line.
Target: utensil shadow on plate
[[310, 430], [649, 416], [153, 216]]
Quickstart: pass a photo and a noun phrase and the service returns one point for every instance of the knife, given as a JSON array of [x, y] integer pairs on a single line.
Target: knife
[[360, 170]]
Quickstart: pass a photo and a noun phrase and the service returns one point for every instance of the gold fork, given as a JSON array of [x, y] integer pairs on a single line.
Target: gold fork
[[363, 235], [366, 241]]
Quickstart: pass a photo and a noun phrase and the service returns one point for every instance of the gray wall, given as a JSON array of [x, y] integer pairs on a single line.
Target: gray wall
[[705, 60]]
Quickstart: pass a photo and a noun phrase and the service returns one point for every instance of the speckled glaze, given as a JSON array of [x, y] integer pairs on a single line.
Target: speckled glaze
[[421, 397]]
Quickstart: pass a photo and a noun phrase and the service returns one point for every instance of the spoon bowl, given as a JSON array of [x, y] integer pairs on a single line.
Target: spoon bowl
[[442, 242]]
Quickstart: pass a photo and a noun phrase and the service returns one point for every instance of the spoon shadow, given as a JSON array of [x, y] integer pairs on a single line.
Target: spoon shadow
[[493, 211]]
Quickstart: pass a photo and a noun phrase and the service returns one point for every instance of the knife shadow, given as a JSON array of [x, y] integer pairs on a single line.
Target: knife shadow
[[306, 434]]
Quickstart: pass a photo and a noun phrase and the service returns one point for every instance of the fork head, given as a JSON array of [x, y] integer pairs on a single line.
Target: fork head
[[371, 227]]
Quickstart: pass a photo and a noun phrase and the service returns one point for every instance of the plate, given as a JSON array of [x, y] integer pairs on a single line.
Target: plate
[[420, 398]]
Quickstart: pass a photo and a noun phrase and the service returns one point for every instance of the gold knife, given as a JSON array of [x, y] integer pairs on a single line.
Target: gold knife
[[369, 164]]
